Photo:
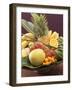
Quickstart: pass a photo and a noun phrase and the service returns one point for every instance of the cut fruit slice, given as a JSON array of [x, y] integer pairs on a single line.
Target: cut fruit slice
[[55, 35], [54, 43]]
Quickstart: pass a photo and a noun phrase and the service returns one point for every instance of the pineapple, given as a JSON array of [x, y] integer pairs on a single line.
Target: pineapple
[[38, 26]]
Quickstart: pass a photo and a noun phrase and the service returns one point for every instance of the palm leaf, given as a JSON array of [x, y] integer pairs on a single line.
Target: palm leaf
[[27, 25], [26, 63], [40, 25]]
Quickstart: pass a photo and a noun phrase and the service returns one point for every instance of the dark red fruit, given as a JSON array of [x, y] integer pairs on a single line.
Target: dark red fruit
[[38, 45], [48, 52], [51, 53]]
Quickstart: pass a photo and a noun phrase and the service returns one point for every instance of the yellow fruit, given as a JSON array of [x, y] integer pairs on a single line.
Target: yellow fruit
[[46, 38], [55, 35], [28, 37], [49, 34], [37, 57], [50, 58], [24, 44], [54, 43], [51, 39], [46, 59], [22, 37], [31, 44], [24, 53], [47, 63]]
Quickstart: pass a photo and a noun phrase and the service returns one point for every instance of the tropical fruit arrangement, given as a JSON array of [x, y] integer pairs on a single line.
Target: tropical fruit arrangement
[[40, 46]]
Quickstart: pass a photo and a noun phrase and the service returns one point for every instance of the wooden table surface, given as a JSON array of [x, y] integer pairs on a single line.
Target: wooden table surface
[[57, 70]]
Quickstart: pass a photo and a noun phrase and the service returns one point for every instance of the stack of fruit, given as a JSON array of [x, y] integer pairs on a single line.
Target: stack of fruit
[[40, 46]]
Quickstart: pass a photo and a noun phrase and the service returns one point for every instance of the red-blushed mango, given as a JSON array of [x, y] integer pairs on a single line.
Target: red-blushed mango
[[37, 57]]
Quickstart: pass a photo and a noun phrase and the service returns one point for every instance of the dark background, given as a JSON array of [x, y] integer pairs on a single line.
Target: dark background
[[55, 23]]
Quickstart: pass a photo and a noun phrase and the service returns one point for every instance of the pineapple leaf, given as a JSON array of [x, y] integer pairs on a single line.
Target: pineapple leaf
[[40, 25], [27, 25]]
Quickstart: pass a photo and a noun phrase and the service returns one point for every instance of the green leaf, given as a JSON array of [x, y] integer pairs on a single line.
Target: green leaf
[[59, 54], [26, 63], [59, 50], [40, 25], [27, 25]]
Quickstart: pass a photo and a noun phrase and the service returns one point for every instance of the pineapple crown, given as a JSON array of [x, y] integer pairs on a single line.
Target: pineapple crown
[[38, 26]]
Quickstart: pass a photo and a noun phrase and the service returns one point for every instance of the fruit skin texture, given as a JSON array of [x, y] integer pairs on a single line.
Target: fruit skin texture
[[24, 44], [39, 45], [50, 39], [37, 57], [25, 52], [28, 37]]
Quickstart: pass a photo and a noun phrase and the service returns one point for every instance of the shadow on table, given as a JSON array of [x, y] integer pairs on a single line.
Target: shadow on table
[[56, 70]]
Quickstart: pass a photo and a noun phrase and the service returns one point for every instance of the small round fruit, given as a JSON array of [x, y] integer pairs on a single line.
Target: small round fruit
[[27, 50], [31, 44], [37, 57], [51, 53], [24, 53], [24, 44]]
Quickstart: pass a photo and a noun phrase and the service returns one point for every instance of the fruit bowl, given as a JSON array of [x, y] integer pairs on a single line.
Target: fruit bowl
[[53, 69]]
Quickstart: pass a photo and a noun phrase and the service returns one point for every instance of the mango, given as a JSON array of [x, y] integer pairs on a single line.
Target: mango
[[36, 57]]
